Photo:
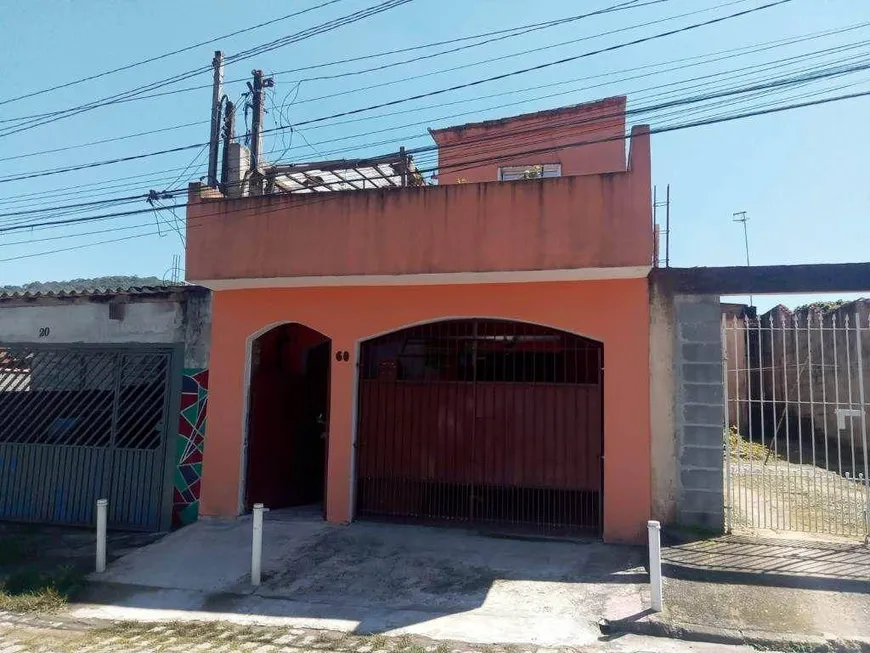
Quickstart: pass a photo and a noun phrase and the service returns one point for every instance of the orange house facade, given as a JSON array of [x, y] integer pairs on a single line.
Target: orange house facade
[[471, 352]]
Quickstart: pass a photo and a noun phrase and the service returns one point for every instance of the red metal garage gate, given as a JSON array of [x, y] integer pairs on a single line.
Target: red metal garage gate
[[482, 421]]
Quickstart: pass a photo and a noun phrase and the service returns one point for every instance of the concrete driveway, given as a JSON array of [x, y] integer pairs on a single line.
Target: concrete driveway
[[379, 578]]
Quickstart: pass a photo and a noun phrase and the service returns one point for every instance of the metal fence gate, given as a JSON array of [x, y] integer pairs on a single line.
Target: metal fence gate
[[796, 455], [482, 421], [81, 423]]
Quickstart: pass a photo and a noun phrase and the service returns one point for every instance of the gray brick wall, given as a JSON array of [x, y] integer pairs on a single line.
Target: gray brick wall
[[698, 411]]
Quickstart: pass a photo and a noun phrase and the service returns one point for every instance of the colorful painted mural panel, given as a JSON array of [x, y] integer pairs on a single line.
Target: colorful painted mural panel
[[190, 443]]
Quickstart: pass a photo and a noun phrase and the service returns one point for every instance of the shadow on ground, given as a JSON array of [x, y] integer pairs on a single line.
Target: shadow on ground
[[771, 562], [787, 587], [41, 567], [372, 578]]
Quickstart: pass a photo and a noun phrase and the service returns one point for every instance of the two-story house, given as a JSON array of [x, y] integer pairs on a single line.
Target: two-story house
[[474, 351]]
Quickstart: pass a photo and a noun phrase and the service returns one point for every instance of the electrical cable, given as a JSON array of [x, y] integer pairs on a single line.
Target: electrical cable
[[516, 31], [421, 95], [473, 64], [661, 130], [763, 66], [50, 208], [138, 197], [736, 51], [502, 155], [245, 54], [166, 54]]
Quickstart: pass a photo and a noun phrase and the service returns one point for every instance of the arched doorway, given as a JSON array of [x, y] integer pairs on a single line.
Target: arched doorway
[[481, 421], [288, 418]]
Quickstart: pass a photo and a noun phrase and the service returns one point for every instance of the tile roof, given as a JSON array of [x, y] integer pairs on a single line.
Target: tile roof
[[103, 292]]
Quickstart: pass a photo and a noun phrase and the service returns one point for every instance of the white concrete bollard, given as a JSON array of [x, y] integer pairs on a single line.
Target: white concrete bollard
[[257, 545], [655, 564], [102, 519]]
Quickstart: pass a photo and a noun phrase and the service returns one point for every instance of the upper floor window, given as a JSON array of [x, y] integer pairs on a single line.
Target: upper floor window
[[532, 171]]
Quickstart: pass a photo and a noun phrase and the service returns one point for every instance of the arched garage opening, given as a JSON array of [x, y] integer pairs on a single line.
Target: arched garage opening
[[288, 417], [481, 421]]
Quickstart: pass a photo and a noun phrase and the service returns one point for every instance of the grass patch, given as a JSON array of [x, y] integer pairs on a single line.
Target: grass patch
[[377, 641], [743, 449], [31, 590]]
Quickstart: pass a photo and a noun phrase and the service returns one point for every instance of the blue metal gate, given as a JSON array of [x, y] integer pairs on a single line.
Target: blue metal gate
[[79, 423]]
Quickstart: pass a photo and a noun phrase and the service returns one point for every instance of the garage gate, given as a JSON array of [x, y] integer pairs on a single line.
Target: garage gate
[[78, 424], [481, 421]]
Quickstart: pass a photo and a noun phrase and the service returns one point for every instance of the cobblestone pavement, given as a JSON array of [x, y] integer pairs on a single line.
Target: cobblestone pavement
[[28, 634], [31, 634]]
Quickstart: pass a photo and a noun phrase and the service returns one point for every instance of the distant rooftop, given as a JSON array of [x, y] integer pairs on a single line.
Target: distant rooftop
[[103, 293]]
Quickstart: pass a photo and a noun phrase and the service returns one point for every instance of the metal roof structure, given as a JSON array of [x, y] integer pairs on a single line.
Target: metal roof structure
[[391, 171]]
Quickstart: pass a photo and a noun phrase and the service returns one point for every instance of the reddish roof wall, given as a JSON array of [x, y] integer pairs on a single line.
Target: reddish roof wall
[[594, 221], [474, 152]]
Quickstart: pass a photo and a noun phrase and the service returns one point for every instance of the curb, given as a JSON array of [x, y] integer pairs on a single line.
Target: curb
[[761, 640]]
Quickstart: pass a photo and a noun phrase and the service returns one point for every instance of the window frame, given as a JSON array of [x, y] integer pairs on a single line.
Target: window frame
[[555, 167]]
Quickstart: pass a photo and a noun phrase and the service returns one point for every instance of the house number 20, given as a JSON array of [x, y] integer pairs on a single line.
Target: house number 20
[[44, 332]]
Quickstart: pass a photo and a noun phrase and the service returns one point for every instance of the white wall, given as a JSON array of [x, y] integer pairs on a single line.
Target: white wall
[[155, 322]]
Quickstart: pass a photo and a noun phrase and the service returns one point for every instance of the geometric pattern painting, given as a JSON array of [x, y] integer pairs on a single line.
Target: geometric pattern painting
[[190, 443]]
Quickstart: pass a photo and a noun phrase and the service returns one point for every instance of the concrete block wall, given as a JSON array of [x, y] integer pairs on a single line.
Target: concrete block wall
[[699, 416]]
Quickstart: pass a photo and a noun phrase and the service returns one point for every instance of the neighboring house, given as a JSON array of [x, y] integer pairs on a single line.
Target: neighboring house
[[473, 352], [103, 394], [806, 365]]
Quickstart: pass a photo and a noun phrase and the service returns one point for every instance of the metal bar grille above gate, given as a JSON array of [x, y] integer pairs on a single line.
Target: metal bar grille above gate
[[796, 454], [78, 424], [481, 421]]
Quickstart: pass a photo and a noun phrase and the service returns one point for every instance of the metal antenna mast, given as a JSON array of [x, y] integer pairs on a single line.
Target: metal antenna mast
[[740, 216]]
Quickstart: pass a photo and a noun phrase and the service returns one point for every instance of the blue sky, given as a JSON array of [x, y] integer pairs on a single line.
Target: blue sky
[[801, 176]]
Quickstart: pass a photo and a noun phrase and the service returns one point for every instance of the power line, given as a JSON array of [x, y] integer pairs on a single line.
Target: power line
[[55, 208], [740, 51], [422, 95], [97, 164], [158, 183], [245, 54], [521, 53], [501, 155], [502, 34], [539, 66], [522, 32], [102, 141], [661, 130], [742, 90], [166, 54]]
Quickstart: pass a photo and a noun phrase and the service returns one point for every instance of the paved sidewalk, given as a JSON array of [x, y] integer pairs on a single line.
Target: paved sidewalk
[[768, 590], [446, 584]]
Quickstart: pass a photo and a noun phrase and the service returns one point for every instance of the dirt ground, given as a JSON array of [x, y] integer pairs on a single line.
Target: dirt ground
[[770, 493], [41, 567]]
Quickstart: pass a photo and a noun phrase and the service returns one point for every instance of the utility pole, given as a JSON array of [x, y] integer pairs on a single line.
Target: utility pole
[[258, 107], [229, 138], [740, 216], [214, 140], [404, 158]]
